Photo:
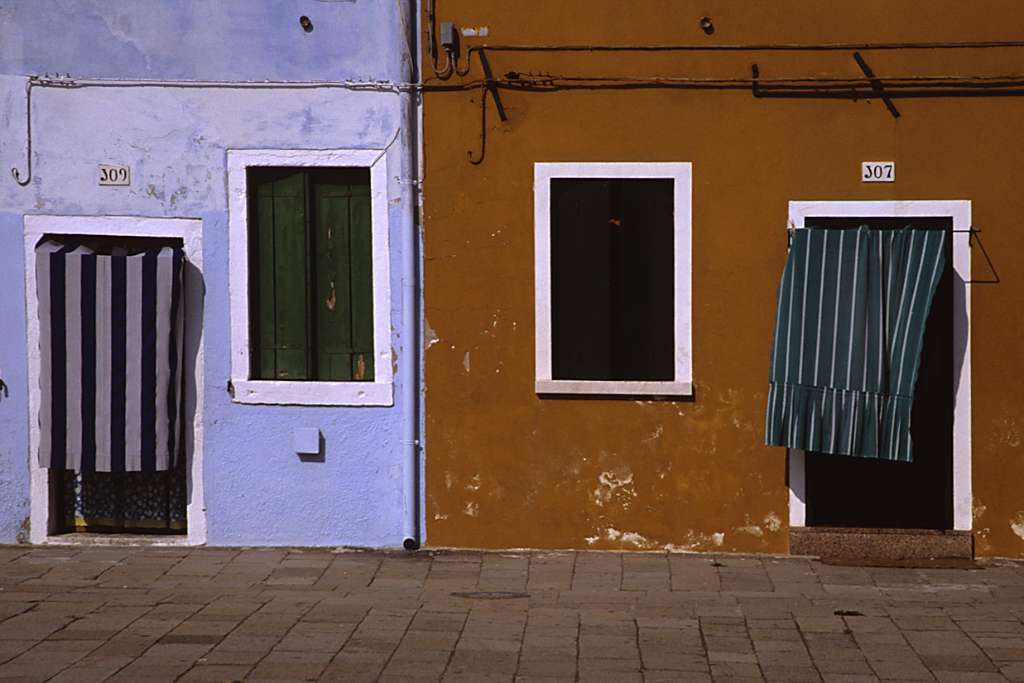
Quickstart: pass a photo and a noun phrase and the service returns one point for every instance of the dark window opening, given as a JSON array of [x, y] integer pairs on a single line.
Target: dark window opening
[[612, 279], [116, 244], [310, 274]]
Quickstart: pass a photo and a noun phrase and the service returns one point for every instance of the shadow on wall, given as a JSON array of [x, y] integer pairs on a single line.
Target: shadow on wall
[[961, 331], [195, 293], [961, 324]]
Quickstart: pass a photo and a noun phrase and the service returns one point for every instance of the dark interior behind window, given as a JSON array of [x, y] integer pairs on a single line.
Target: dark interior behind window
[[612, 282]]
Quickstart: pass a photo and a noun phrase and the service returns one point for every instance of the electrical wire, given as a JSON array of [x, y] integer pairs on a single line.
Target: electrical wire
[[859, 87], [742, 47]]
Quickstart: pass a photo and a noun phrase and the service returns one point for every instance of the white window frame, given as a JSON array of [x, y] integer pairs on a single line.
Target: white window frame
[[681, 173], [42, 504], [379, 392], [959, 211]]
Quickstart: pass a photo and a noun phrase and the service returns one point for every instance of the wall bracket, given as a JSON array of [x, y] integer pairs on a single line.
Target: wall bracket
[[876, 85]]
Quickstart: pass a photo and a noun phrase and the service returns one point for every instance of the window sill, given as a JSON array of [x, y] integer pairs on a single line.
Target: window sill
[[573, 386], [269, 392]]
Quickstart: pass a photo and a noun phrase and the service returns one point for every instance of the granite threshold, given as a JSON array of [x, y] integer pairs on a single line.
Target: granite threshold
[[875, 545]]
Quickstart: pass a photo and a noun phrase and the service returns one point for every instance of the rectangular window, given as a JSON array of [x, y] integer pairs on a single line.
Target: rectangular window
[[613, 278], [310, 274]]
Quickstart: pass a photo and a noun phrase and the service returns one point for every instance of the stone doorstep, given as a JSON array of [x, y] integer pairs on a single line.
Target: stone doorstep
[[860, 544]]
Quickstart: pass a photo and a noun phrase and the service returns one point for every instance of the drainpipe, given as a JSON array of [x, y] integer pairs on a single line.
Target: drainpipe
[[409, 368]]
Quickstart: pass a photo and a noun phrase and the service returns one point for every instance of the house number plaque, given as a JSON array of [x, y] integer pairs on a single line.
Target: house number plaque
[[878, 171], [113, 174]]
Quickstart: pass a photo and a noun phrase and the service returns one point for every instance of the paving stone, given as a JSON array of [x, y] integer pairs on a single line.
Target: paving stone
[[355, 666], [565, 667], [968, 677], [215, 673], [85, 674], [483, 661], [901, 671]]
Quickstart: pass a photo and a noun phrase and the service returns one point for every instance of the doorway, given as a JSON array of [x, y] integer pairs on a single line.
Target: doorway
[[91, 499], [958, 213], [46, 521], [846, 491]]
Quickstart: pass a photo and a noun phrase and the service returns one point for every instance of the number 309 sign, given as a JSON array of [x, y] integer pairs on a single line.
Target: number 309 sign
[[878, 171], [111, 174]]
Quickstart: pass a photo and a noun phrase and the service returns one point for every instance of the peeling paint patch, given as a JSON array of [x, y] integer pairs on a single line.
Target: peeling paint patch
[[465, 361], [471, 510], [614, 483], [439, 516], [628, 537], [772, 522], [474, 483], [591, 540], [1017, 524], [429, 336], [24, 531], [977, 510], [696, 540], [1010, 433], [751, 529], [653, 436]]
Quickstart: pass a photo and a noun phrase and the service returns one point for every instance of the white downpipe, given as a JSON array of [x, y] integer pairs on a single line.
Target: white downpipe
[[409, 364]]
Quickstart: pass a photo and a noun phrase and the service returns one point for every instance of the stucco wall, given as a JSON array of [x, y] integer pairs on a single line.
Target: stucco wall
[[257, 490], [507, 468]]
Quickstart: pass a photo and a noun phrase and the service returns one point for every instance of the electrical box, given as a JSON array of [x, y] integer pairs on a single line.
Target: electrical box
[[306, 440], [449, 38]]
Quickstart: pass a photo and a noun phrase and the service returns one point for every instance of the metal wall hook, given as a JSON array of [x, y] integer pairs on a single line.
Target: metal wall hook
[[28, 137]]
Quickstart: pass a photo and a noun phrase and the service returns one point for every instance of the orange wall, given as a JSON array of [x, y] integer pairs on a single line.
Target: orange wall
[[506, 468]]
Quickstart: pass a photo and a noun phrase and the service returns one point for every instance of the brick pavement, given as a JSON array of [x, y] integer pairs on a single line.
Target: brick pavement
[[85, 614]]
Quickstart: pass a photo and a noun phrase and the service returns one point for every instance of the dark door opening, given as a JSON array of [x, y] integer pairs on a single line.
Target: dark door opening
[[151, 502], [843, 491]]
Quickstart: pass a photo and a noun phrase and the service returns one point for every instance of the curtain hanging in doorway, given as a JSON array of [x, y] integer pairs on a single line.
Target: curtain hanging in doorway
[[110, 331], [852, 309]]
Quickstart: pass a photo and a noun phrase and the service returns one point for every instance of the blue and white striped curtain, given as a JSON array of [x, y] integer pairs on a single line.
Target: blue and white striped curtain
[[111, 328], [852, 309]]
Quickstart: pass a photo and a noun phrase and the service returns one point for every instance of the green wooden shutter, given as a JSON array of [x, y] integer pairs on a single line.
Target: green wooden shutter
[[343, 293], [279, 276]]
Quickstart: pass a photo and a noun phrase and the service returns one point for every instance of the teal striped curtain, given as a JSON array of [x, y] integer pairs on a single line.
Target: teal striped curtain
[[851, 316]]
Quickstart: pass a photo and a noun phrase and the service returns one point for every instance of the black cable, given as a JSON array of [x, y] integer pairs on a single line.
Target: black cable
[[742, 47]]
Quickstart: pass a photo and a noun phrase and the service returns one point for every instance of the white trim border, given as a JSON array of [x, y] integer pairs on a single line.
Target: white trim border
[[379, 392], [960, 212], [190, 230], [681, 173]]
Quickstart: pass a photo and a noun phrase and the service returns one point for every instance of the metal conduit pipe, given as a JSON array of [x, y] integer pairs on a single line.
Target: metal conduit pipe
[[409, 363], [68, 83]]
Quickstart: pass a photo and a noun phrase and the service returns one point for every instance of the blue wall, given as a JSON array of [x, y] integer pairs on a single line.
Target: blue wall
[[175, 140], [14, 476]]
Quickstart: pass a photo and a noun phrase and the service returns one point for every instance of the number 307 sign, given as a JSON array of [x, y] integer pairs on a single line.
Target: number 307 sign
[[111, 174], [878, 171]]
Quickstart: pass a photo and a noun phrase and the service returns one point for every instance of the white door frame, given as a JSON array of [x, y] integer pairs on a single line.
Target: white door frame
[[190, 230], [960, 212]]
